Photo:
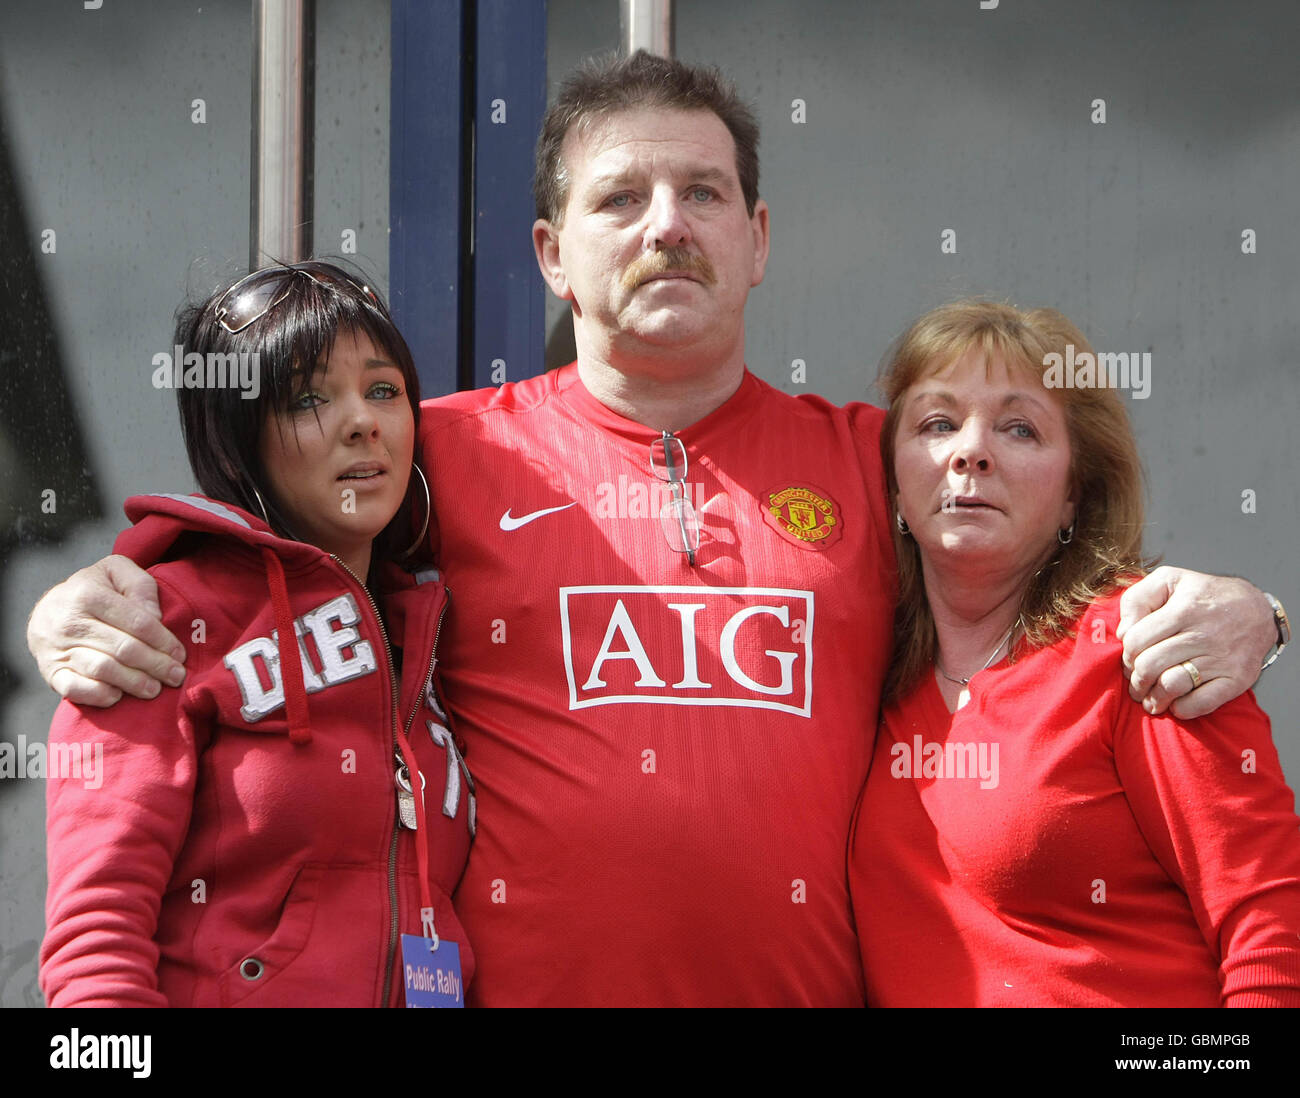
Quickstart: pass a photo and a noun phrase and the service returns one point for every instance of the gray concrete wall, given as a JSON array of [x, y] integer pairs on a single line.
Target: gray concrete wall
[[920, 117]]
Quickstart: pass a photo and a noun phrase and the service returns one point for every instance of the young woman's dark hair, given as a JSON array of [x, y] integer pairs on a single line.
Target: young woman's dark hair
[[288, 317]]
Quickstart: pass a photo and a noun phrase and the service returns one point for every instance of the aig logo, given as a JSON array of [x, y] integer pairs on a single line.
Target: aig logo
[[746, 646]]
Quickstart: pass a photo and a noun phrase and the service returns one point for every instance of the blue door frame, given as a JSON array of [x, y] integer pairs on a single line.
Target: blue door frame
[[468, 94]]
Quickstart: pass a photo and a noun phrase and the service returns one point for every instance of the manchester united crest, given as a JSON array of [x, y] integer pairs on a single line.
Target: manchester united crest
[[804, 513]]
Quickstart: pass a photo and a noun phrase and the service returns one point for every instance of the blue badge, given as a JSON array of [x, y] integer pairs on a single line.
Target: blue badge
[[431, 976]]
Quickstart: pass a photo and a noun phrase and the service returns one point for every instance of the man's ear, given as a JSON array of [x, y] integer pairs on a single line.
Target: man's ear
[[760, 226], [546, 246]]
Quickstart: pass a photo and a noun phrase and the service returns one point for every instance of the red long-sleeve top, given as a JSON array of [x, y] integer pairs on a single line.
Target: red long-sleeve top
[[1051, 844]]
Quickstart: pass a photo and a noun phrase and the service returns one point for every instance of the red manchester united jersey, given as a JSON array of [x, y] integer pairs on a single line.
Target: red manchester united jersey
[[667, 754]]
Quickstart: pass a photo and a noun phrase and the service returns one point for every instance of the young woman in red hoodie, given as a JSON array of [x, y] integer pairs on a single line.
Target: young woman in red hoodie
[[256, 837]]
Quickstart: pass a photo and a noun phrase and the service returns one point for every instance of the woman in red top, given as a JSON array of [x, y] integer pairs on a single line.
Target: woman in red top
[[1028, 836], [257, 837]]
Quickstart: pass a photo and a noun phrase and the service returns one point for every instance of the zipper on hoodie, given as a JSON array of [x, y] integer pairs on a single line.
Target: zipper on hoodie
[[392, 844], [393, 916], [433, 659]]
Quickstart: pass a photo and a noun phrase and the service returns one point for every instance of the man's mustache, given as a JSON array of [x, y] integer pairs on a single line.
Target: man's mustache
[[664, 260]]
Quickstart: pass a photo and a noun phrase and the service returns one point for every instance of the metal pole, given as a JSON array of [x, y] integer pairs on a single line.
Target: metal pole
[[646, 25], [284, 64]]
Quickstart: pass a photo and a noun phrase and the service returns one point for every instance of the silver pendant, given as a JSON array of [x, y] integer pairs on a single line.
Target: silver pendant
[[406, 797]]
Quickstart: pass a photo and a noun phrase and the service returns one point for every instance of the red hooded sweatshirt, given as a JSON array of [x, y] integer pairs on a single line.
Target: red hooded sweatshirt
[[215, 847]]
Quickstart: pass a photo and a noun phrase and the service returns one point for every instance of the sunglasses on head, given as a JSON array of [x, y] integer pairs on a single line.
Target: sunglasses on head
[[256, 294]]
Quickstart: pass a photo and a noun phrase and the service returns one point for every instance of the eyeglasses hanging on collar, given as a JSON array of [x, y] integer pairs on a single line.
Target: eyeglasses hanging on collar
[[678, 519]]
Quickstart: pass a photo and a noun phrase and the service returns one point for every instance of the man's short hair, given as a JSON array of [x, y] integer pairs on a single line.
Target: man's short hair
[[605, 85]]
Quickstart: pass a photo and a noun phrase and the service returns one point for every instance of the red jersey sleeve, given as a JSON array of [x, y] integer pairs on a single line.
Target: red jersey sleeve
[[115, 822], [868, 423], [1211, 801]]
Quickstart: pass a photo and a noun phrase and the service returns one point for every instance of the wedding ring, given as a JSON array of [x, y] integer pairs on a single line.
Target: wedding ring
[[1190, 668]]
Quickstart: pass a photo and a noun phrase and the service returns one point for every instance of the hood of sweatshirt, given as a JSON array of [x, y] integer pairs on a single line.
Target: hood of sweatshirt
[[161, 522]]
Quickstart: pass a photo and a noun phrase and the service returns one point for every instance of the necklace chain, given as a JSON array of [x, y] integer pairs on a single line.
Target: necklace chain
[[987, 662]]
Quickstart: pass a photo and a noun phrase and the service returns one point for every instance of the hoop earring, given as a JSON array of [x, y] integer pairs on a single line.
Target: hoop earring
[[428, 510], [901, 523], [261, 503], [1065, 536]]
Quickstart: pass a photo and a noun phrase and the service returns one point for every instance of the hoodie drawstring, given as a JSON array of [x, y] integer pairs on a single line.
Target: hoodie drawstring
[[295, 692]]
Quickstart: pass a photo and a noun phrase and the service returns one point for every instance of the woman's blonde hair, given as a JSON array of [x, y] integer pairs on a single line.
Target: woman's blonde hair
[[1105, 473]]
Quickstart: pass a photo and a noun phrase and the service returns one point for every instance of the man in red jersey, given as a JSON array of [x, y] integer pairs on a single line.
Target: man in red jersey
[[672, 596]]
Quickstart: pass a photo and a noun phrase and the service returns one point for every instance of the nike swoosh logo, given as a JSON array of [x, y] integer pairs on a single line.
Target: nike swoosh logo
[[509, 522]]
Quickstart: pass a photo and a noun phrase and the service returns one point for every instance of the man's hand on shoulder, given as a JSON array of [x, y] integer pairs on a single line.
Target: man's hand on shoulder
[[1220, 625], [99, 634]]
